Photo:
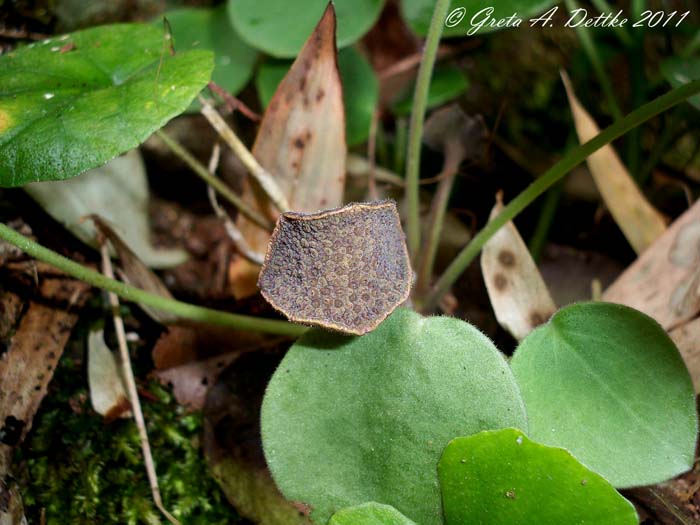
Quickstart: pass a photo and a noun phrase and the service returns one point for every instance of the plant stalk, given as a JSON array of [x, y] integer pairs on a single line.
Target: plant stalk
[[420, 101], [130, 293], [554, 174], [214, 181]]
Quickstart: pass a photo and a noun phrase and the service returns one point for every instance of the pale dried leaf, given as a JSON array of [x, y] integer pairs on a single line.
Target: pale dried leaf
[[659, 283], [636, 217], [118, 191], [105, 379], [519, 296], [687, 339], [301, 142]]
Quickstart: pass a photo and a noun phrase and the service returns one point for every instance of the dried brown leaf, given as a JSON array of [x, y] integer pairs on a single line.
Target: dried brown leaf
[[662, 282], [687, 339], [301, 142], [345, 269], [232, 443], [636, 217], [28, 365], [519, 296]]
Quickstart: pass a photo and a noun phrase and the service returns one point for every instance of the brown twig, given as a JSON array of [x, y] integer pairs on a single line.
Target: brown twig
[[131, 388], [232, 103]]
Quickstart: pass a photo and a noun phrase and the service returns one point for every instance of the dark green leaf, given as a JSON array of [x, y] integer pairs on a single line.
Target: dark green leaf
[[73, 102], [211, 29], [346, 420], [446, 84], [502, 478], [468, 16], [280, 27], [605, 382], [679, 71], [369, 514]]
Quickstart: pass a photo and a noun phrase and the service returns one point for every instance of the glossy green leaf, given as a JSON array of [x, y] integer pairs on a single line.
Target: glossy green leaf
[[118, 192], [360, 90], [369, 514], [446, 84], [73, 102], [346, 420], [280, 27], [501, 478], [679, 70], [467, 17], [211, 29], [605, 382]]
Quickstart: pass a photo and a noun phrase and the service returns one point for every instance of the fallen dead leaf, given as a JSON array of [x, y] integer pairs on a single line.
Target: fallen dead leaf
[[687, 339], [662, 274], [232, 443], [105, 379], [636, 217], [26, 368], [519, 296], [301, 142]]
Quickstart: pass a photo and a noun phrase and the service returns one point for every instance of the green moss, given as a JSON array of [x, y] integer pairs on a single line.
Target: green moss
[[85, 471]]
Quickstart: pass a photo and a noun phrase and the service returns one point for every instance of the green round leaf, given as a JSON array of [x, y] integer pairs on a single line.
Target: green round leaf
[[605, 382], [73, 102], [360, 90], [347, 420], [280, 27], [501, 478], [679, 71], [210, 29], [468, 16], [369, 514], [446, 84]]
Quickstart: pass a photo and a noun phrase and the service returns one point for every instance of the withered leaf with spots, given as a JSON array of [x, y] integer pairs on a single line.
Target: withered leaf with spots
[[344, 269], [301, 142], [518, 294]]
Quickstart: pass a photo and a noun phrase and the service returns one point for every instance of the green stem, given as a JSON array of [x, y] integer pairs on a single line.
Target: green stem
[[213, 181], [130, 293], [554, 174], [545, 221], [400, 145], [420, 101], [692, 46], [435, 222], [589, 47]]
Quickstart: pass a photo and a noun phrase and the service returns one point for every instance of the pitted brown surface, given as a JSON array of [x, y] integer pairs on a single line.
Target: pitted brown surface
[[345, 269]]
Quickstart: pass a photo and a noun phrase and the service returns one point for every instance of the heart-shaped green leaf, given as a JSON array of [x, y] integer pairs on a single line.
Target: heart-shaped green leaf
[[447, 83], [502, 478], [73, 102], [211, 29], [360, 90], [346, 420], [280, 27], [369, 514], [605, 382], [473, 16], [681, 70]]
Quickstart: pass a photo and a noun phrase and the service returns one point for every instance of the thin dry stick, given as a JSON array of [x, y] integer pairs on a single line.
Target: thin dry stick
[[131, 387], [266, 181], [232, 103], [233, 232], [371, 156]]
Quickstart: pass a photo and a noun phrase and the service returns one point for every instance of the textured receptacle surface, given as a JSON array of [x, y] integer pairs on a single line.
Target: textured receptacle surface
[[345, 269]]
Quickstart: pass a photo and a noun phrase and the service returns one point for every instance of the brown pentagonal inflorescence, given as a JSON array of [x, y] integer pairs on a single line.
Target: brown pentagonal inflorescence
[[344, 269]]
